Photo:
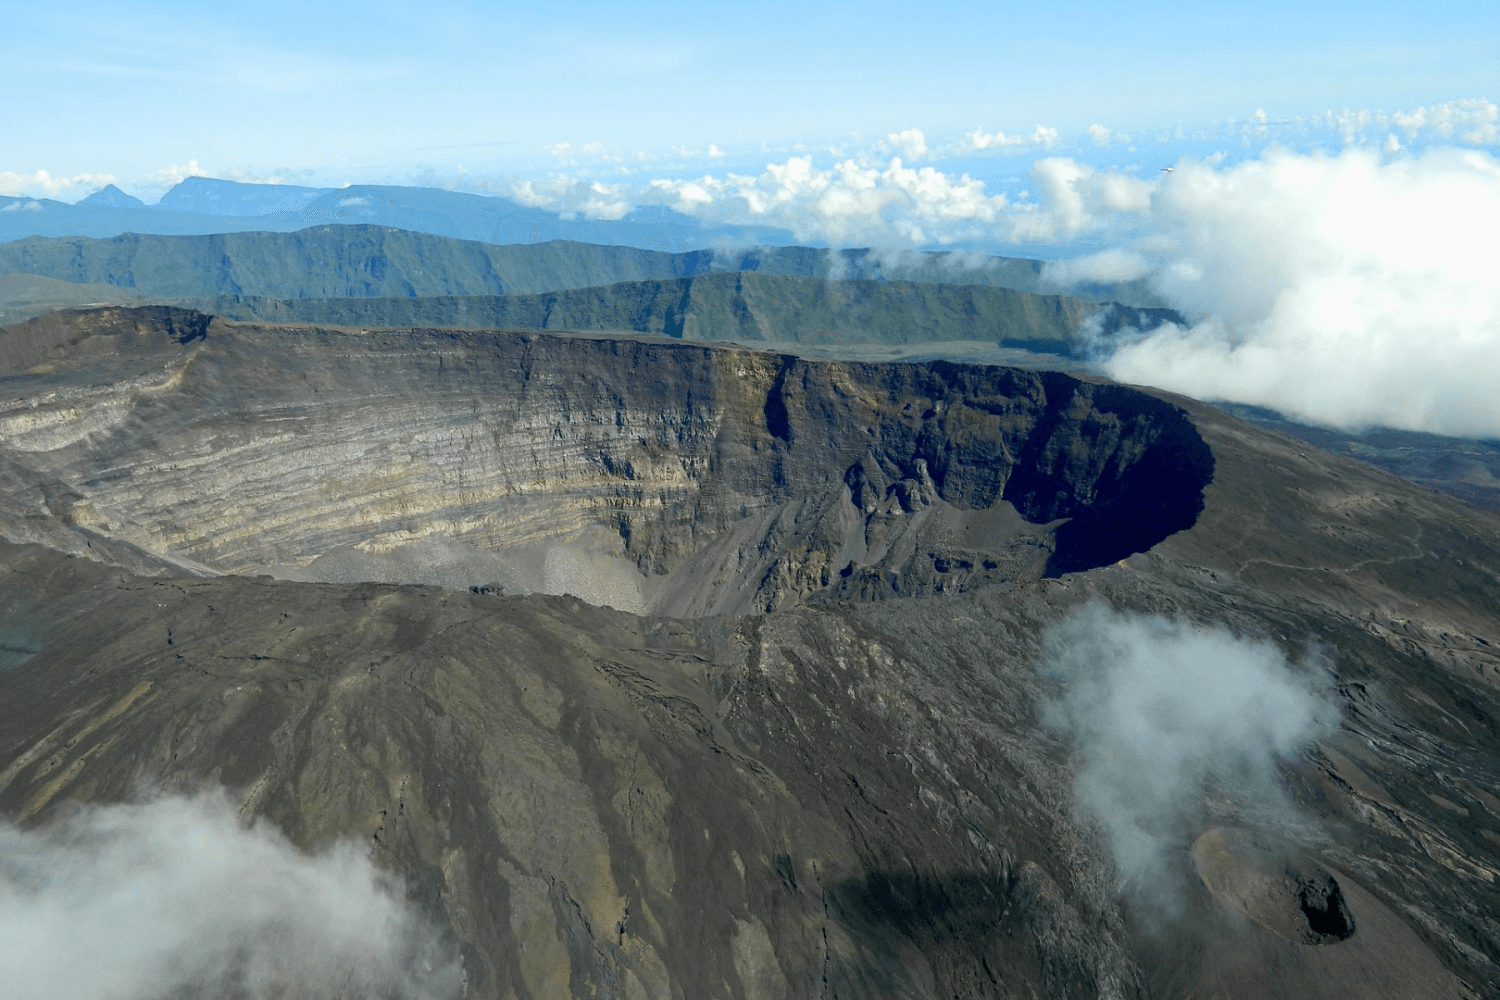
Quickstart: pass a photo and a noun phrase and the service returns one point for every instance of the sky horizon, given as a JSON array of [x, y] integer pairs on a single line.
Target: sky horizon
[[343, 93]]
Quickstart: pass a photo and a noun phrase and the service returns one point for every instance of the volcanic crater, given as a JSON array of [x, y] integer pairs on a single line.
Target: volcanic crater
[[674, 478]]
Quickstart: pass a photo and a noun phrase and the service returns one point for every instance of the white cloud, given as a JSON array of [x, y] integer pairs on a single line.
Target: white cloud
[[174, 174], [1100, 135], [980, 140], [714, 152], [1345, 290], [911, 143], [1474, 122], [175, 897], [563, 194], [1105, 267], [45, 184], [22, 206], [1072, 196], [1470, 121], [1157, 709], [847, 202], [1044, 137], [566, 150], [353, 201]]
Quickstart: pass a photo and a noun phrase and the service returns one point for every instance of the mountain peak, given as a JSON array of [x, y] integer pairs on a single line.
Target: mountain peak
[[110, 196], [213, 196]]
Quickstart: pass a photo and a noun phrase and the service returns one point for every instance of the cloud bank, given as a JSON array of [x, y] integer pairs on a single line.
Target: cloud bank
[[851, 202], [1347, 290], [1157, 709], [130, 902]]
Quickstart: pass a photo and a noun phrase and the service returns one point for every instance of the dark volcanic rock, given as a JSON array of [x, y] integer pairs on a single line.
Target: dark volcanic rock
[[852, 796]]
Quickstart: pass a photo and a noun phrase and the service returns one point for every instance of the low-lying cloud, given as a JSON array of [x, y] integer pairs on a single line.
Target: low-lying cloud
[[851, 202], [174, 896], [1157, 709], [1347, 290]]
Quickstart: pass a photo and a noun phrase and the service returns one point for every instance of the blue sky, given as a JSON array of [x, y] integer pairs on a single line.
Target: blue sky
[[339, 93]]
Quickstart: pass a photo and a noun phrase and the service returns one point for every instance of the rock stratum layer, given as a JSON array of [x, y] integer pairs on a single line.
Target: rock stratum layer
[[854, 795]]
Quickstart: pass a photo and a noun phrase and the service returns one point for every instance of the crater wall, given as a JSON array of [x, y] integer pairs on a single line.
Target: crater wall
[[728, 479]]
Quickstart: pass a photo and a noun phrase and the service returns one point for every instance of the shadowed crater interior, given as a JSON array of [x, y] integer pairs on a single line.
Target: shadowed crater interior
[[1327, 913]]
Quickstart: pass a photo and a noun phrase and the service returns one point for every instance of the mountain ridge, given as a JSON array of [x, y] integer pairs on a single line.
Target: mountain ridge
[[366, 260], [746, 306]]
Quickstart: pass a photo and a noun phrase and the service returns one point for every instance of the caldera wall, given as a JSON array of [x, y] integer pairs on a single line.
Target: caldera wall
[[240, 447]]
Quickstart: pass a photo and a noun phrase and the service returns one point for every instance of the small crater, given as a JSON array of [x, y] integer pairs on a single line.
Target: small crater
[[1326, 911]]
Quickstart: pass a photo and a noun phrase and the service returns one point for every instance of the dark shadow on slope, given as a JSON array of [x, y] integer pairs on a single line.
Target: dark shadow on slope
[[979, 935], [1157, 497], [1128, 472]]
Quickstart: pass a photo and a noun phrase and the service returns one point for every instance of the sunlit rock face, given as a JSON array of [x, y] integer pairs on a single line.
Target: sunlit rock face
[[855, 794], [640, 475]]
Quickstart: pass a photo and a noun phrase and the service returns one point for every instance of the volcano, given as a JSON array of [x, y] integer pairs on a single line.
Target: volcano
[[665, 669]]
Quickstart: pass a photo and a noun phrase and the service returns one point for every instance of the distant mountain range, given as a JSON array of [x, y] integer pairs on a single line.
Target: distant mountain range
[[340, 261], [206, 205]]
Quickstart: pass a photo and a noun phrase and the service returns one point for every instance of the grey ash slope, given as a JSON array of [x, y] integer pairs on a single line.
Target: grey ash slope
[[850, 796]]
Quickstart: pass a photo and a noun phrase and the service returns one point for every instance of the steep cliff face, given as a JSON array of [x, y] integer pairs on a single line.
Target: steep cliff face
[[858, 795], [729, 480]]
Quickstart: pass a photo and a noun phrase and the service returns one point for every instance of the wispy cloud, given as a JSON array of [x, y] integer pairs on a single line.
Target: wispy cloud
[[42, 182], [175, 897], [173, 174], [1159, 708]]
